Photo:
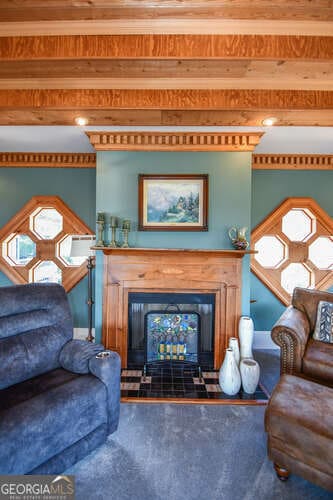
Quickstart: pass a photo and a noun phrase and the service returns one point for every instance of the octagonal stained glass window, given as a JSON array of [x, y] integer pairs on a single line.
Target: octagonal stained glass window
[[301, 229], [271, 251], [298, 224], [46, 271], [35, 243], [20, 250], [47, 223], [295, 275], [321, 252], [64, 252]]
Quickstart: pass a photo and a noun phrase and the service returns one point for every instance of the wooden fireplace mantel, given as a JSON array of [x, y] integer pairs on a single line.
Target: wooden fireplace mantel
[[171, 270]]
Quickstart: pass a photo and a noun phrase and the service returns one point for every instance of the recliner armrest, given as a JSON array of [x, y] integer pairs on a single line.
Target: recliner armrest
[[106, 366], [75, 355], [80, 356], [291, 332]]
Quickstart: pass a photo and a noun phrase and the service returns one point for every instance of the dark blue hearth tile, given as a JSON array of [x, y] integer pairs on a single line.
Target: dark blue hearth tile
[[166, 387], [156, 387], [132, 394], [191, 395], [166, 380], [202, 395], [168, 394], [152, 394], [200, 388], [189, 387], [178, 387]]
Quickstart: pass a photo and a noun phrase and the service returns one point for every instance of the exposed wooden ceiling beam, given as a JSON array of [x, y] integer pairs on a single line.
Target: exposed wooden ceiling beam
[[167, 83], [166, 74], [170, 26], [166, 68], [301, 48], [167, 99], [33, 10], [155, 117]]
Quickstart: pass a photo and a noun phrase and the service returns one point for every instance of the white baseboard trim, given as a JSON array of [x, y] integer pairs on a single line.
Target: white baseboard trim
[[82, 333], [263, 340]]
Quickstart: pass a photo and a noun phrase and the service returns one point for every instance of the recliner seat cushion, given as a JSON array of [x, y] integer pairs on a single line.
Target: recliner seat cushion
[[318, 361], [41, 417]]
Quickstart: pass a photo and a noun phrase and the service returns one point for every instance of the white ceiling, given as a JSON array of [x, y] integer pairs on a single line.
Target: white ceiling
[[301, 140]]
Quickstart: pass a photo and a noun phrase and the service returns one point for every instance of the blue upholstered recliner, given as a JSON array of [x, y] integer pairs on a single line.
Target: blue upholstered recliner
[[59, 398]]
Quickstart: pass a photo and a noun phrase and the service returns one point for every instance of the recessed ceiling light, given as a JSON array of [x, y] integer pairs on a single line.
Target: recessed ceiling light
[[268, 122], [81, 121]]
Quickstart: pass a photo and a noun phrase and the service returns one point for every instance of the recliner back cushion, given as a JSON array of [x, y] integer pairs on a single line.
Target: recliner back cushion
[[35, 322], [307, 301]]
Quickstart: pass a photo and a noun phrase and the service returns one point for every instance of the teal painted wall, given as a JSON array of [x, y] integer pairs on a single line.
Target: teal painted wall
[[116, 187], [76, 187], [229, 200], [269, 189]]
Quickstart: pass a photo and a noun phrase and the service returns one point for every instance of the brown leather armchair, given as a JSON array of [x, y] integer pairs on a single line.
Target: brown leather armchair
[[300, 353]]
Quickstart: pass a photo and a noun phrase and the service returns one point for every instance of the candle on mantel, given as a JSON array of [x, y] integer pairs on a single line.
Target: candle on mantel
[[114, 221], [126, 224]]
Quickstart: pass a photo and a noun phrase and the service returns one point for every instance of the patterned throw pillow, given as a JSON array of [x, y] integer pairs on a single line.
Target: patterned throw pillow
[[324, 325]]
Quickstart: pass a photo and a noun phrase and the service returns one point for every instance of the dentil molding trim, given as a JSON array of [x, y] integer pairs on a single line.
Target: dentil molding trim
[[174, 141], [88, 160], [53, 160], [292, 162]]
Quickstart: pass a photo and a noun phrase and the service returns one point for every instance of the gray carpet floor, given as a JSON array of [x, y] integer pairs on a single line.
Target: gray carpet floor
[[190, 452]]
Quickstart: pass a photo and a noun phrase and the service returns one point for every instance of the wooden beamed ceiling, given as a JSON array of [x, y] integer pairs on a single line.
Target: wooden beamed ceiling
[[175, 62]]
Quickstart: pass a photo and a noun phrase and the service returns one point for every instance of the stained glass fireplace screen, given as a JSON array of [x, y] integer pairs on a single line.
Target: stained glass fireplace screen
[[172, 336]]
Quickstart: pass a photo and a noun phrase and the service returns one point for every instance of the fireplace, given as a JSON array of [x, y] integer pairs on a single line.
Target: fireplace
[[171, 328], [175, 271]]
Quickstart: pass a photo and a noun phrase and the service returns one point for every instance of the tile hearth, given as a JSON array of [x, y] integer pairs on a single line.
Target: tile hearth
[[182, 384]]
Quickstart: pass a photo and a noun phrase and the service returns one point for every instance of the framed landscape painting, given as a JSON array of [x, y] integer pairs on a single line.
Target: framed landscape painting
[[173, 202]]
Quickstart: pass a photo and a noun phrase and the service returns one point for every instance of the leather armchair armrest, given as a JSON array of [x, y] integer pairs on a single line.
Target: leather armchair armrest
[[106, 366], [291, 333]]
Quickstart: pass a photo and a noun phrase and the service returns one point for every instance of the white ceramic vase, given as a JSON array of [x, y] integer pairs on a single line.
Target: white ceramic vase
[[250, 373], [245, 333], [233, 344], [229, 377]]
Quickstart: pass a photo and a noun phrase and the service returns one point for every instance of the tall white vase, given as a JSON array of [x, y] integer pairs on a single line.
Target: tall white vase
[[245, 333], [250, 373], [233, 344], [229, 377]]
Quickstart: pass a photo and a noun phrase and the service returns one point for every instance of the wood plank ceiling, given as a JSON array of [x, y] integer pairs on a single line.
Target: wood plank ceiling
[[172, 62]]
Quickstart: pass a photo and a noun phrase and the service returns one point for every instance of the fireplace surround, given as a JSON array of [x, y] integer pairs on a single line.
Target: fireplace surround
[[188, 271]]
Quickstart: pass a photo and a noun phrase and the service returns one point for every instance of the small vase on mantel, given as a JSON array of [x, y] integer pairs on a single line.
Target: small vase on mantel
[[229, 376], [245, 333], [250, 373], [233, 344]]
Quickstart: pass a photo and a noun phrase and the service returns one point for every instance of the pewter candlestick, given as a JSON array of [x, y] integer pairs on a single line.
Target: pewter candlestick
[[113, 226], [125, 230], [100, 226]]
